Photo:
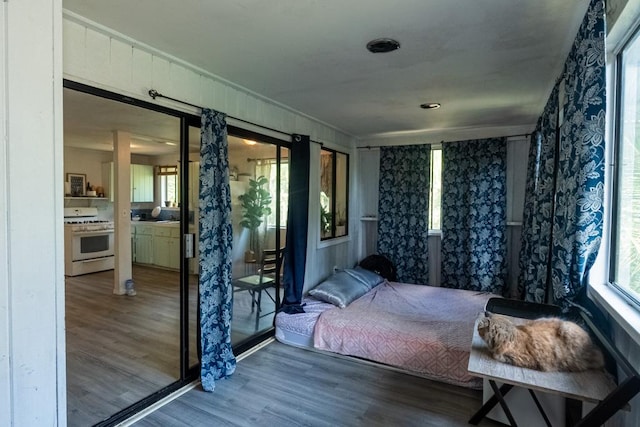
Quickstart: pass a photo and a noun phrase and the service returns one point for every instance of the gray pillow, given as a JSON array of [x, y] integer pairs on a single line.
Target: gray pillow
[[368, 277], [340, 289]]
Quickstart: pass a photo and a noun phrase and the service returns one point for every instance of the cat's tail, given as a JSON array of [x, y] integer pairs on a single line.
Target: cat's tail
[[594, 358]]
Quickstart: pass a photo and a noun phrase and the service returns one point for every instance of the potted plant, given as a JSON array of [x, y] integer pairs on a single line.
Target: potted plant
[[325, 221], [255, 203]]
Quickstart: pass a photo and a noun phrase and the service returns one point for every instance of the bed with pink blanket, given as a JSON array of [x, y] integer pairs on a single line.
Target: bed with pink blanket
[[424, 330]]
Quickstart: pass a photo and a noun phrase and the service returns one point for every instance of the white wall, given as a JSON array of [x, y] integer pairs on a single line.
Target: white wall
[[622, 16], [32, 358], [323, 256], [88, 162], [100, 57]]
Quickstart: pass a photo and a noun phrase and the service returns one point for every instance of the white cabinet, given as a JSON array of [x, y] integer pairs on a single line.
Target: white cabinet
[[166, 246], [142, 249], [142, 179], [141, 183]]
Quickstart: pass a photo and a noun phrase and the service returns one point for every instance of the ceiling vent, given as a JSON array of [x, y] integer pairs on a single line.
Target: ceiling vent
[[382, 45]]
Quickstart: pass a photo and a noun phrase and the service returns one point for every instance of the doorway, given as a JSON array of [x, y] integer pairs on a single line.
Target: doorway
[[124, 352]]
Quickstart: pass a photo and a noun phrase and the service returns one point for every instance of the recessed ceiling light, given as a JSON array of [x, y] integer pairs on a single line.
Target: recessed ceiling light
[[430, 105], [383, 45]]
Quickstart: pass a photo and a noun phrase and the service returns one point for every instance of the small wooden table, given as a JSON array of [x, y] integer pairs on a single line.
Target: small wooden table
[[589, 386]]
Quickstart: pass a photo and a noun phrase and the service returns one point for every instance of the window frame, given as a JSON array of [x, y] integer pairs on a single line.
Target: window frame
[[617, 171], [433, 230], [164, 172], [334, 186]]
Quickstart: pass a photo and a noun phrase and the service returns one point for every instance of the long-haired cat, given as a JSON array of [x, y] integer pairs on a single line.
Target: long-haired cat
[[547, 344]]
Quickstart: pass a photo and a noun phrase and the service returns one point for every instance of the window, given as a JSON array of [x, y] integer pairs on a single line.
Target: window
[[169, 184], [435, 192], [334, 194], [625, 235], [268, 169]]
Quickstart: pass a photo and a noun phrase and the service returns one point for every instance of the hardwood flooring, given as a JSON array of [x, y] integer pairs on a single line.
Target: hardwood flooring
[[121, 349], [288, 386]]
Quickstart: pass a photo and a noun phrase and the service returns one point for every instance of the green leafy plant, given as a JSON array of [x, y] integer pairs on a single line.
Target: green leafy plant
[[325, 220], [256, 202]]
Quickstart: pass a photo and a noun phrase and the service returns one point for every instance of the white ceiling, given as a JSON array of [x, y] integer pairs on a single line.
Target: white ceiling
[[490, 63]]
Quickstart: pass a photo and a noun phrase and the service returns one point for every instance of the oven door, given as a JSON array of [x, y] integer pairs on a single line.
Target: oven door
[[92, 244]]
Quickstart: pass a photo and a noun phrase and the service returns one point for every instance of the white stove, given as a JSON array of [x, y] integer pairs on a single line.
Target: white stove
[[88, 242]]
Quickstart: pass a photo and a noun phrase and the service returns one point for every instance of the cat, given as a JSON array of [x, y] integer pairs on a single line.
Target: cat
[[547, 344]]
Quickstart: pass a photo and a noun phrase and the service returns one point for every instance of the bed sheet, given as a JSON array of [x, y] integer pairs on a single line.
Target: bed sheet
[[423, 329]]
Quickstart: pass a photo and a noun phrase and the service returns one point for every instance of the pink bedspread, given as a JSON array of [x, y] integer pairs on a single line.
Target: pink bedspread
[[423, 329]]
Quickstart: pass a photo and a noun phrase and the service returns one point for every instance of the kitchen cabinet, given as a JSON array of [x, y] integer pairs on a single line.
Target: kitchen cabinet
[[166, 246], [142, 183], [142, 179], [142, 250]]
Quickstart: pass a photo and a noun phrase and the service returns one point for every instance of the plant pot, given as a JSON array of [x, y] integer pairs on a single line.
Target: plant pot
[[249, 256]]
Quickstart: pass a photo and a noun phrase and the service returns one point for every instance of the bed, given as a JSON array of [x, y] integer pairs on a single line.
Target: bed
[[423, 330]]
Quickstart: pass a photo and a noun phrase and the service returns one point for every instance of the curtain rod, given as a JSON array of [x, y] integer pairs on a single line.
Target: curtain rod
[[155, 94], [369, 147]]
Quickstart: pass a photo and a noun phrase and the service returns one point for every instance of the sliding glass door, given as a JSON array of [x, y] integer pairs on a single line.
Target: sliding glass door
[[259, 181], [129, 346], [129, 349]]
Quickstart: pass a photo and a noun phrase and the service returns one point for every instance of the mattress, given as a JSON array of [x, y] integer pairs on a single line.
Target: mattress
[[297, 329], [423, 330]]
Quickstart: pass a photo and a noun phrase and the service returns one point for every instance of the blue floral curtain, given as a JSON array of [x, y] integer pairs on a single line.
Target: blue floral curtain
[[474, 220], [215, 242], [539, 206], [403, 210], [580, 185], [576, 222]]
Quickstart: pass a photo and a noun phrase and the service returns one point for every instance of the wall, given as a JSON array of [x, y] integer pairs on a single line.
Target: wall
[[622, 17], [88, 162], [32, 355], [367, 205]]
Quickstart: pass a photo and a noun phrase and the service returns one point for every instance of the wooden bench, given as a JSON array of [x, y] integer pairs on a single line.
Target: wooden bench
[[597, 387]]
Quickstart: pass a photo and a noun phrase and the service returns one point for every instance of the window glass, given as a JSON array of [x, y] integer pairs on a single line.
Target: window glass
[[334, 197], [269, 170], [625, 271], [341, 195], [435, 192], [169, 184]]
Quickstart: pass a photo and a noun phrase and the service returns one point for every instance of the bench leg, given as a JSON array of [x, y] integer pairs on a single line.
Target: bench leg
[[540, 408], [615, 401], [493, 401]]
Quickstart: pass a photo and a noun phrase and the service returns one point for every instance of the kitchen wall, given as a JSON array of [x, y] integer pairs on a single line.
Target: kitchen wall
[[88, 162]]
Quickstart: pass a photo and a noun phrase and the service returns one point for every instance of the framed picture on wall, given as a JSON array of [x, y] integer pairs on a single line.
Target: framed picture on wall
[[77, 183]]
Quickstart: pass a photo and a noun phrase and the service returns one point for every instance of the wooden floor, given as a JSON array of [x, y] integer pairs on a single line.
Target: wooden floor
[[121, 349], [281, 385]]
